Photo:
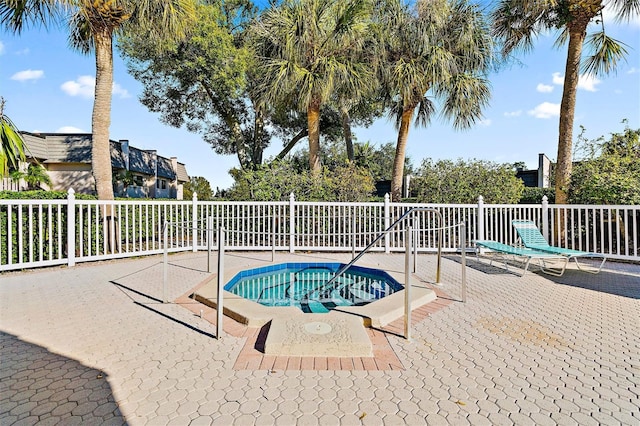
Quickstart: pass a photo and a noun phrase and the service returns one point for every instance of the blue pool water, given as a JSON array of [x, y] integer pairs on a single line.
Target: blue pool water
[[303, 285]]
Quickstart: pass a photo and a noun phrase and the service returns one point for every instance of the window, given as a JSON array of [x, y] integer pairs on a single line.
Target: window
[[138, 180], [161, 184]]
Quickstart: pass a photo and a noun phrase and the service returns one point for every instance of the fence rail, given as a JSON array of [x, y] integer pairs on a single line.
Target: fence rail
[[35, 233]]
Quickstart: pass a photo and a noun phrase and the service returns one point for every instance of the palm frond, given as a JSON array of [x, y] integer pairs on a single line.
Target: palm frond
[[607, 53]]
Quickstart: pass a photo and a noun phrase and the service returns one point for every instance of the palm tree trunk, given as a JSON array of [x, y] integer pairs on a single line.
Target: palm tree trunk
[[567, 113], [346, 129], [398, 160], [313, 123], [565, 135], [101, 118]]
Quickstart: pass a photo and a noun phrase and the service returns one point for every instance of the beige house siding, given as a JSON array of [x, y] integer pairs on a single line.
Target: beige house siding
[[67, 159]]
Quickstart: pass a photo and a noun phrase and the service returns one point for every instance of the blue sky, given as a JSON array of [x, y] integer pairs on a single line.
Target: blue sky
[[49, 88]]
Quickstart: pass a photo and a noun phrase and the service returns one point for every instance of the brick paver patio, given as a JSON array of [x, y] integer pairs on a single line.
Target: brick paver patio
[[94, 344]]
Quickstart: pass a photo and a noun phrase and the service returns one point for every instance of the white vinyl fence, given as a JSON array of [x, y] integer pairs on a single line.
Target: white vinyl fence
[[36, 233]]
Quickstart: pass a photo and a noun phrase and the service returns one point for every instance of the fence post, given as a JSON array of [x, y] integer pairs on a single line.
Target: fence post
[[194, 231], [220, 289], [387, 221], [165, 260], [407, 283], [292, 222], [480, 219], [545, 217], [71, 227]]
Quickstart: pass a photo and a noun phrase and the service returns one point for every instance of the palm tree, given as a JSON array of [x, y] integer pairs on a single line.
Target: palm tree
[[308, 49], [436, 50], [34, 176], [518, 22], [11, 144], [93, 26]]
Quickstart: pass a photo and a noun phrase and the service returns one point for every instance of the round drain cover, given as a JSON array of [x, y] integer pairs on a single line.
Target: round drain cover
[[317, 327]]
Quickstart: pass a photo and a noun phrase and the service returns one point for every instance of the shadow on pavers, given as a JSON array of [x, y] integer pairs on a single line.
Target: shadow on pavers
[[609, 280], [36, 384]]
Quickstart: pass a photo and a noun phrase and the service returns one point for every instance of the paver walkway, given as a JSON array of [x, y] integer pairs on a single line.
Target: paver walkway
[[94, 344]]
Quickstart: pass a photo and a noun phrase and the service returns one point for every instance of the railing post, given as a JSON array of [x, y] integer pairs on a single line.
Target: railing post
[[209, 241], [463, 262], [353, 233], [387, 221], [407, 283], [292, 222], [194, 230], [219, 301], [165, 259], [480, 219], [71, 227], [274, 235], [545, 217]]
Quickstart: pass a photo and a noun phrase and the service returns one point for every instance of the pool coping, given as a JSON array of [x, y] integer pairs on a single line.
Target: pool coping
[[375, 314]]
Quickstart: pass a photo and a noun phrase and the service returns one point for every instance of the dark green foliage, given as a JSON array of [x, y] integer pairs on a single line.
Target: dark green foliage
[[461, 182], [534, 195], [609, 170], [274, 182], [200, 186]]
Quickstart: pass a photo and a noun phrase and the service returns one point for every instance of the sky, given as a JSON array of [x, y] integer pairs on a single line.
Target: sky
[[49, 88]]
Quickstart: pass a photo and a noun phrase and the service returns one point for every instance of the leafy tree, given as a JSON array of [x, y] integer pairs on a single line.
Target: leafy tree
[[34, 176], [278, 179], [608, 171], [200, 186], [93, 25], [435, 50], [308, 50], [461, 182], [11, 143], [203, 81], [517, 23]]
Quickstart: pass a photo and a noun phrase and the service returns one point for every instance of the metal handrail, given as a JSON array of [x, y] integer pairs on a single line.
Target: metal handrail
[[386, 231]]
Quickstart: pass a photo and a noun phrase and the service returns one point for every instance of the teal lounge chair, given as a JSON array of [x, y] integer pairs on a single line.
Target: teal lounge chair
[[505, 252], [532, 238]]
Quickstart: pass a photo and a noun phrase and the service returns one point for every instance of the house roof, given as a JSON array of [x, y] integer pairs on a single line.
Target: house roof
[[183, 176], [36, 145], [165, 168]]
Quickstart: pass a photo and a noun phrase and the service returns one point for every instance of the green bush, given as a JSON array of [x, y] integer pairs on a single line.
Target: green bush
[[461, 182], [275, 181], [534, 195]]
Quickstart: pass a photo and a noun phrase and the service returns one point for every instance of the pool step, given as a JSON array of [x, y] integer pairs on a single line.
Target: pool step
[[383, 311]]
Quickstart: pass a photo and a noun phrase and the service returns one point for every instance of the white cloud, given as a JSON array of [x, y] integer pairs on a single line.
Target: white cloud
[[1, 48], [585, 81], [84, 86], [633, 70], [69, 129], [118, 90], [544, 88], [545, 110], [24, 51], [558, 78], [28, 75], [484, 123], [513, 113], [588, 83]]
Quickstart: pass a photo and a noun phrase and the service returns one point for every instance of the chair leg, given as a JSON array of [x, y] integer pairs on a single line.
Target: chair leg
[[604, 259]]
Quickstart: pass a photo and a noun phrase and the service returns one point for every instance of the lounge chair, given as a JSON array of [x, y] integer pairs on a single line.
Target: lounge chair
[[532, 238], [506, 252]]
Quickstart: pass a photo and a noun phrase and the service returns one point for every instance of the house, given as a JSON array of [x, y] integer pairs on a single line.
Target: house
[[137, 173], [539, 177]]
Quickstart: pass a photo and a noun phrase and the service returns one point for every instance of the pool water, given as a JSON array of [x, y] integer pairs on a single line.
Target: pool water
[[303, 285]]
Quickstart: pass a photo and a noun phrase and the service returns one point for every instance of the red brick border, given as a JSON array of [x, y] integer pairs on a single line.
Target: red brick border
[[252, 356]]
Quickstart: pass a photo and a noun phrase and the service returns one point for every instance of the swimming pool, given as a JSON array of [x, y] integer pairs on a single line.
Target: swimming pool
[[302, 285]]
